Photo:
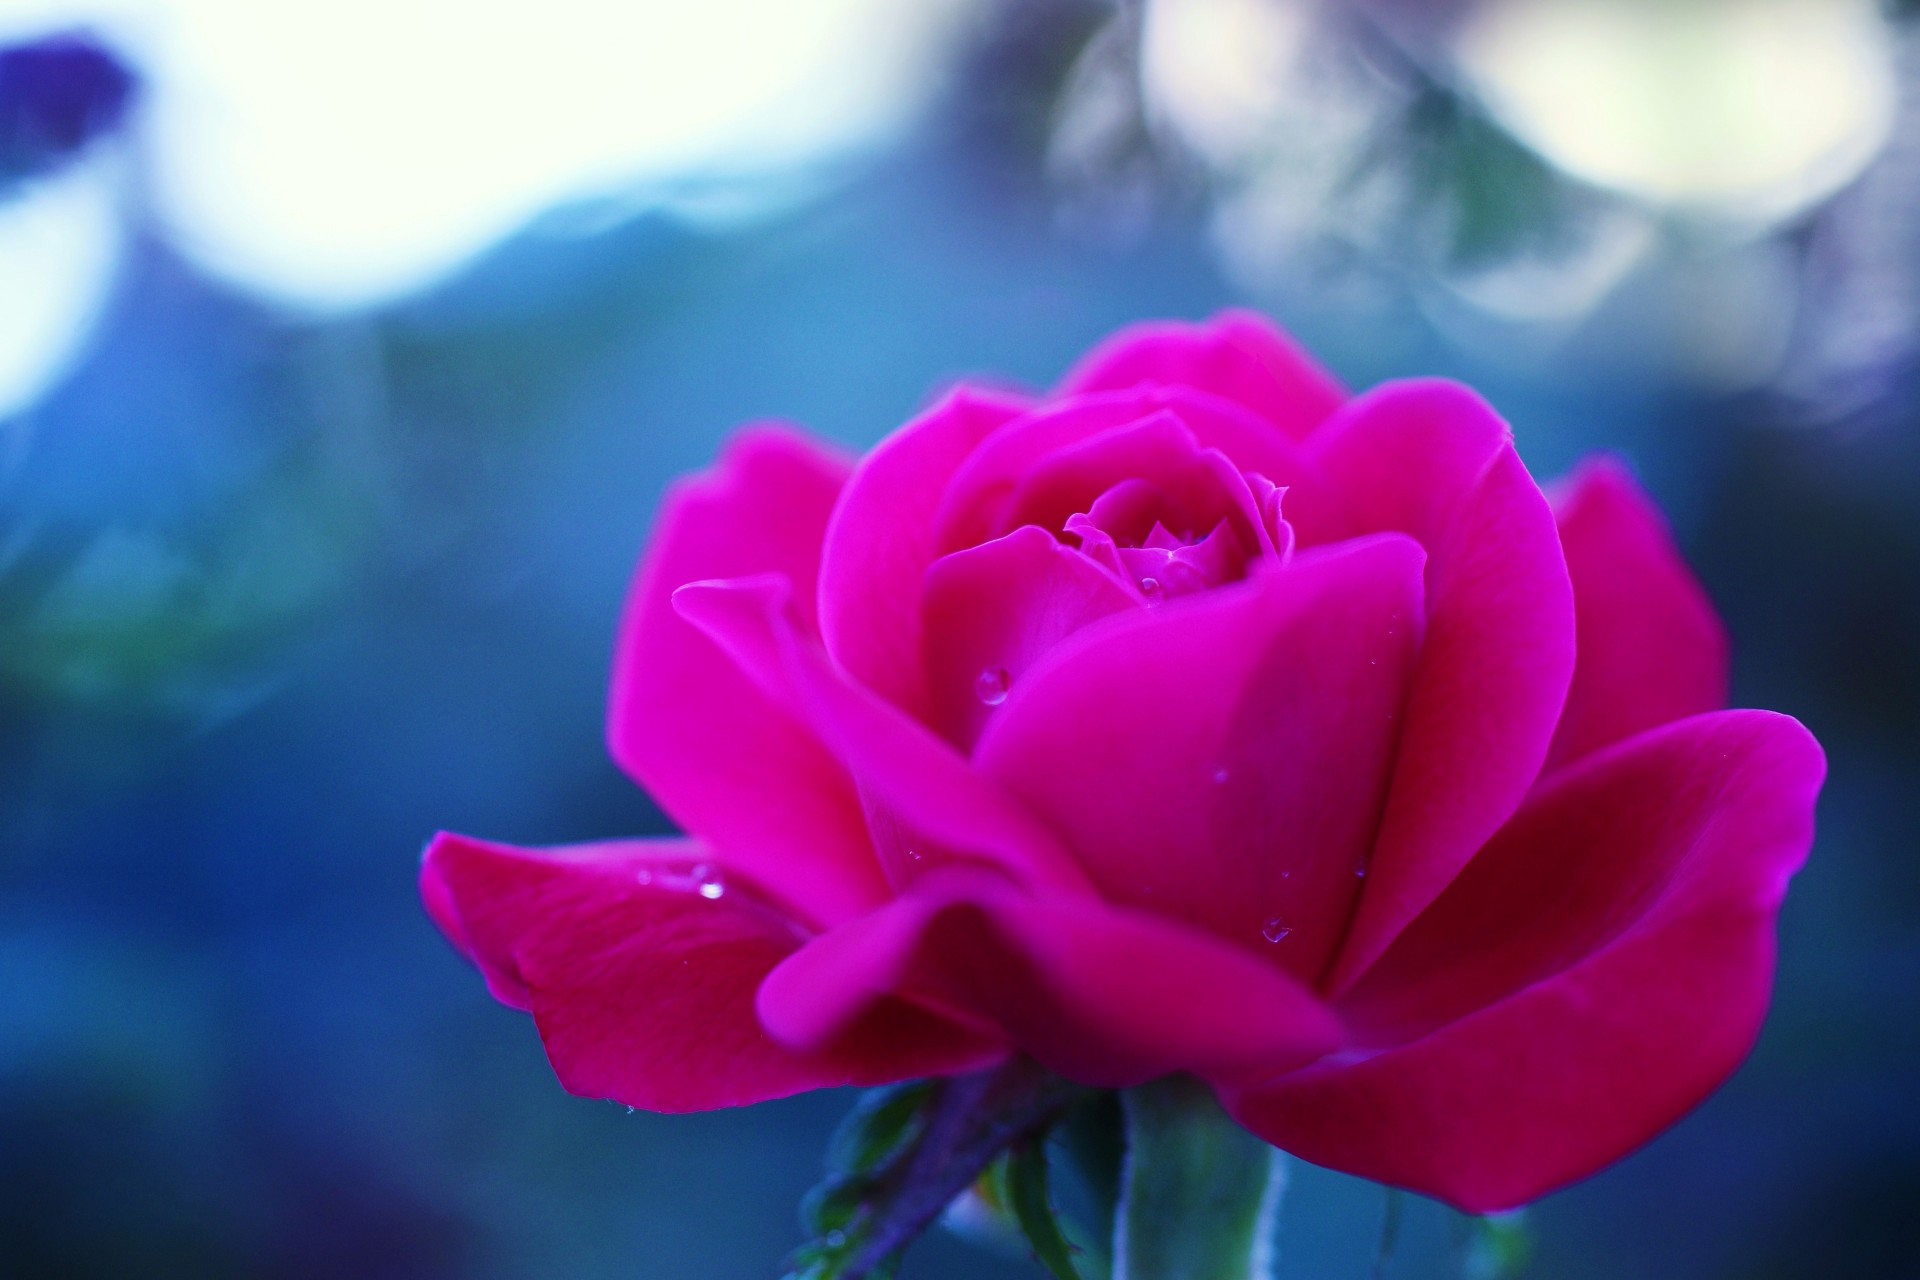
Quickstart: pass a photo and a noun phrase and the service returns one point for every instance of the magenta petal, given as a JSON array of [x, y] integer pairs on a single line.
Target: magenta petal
[[990, 612], [1103, 995], [1222, 760], [643, 987], [916, 782], [1197, 488], [723, 761], [1432, 460], [1651, 648], [981, 501], [1622, 927], [881, 540], [1238, 355]]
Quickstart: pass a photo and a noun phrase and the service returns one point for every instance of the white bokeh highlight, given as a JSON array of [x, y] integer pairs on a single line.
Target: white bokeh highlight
[[335, 154]]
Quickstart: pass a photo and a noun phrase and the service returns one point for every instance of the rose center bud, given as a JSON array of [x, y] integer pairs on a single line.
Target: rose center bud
[[1086, 533], [1157, 562], [1130, 518]]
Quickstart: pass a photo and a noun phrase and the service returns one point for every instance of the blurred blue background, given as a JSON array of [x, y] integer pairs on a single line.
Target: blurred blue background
[[345, 351]]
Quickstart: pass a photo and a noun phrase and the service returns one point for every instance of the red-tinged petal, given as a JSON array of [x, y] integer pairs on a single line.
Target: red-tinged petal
[[1238, 356], [928, 801], [721, 759], [642, 985], [981, 500], [990, 612], [1621, 933], [1102, 994], [1651, 648], [880, 541], [1197, 488], [1222, 760], [1432, 460]]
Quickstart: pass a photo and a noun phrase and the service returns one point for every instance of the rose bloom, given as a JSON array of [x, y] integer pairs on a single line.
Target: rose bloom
[[1196, 717]]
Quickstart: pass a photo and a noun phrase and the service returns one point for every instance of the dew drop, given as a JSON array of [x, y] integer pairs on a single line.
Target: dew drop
[[914, 855], [643, 876], [702, 878], [1150, 588], [990, 686], [1220, 776], [1275, 928]]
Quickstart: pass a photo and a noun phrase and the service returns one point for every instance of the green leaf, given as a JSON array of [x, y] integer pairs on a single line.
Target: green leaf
[[1025, 1186], [1200, 1197]]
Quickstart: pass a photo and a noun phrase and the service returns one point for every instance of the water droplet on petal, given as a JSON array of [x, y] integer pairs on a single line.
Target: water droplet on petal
[[1150, 588], [914, 855], [1275, 928], [707, 882], [1220, 776], [643, 876], [990, 686]]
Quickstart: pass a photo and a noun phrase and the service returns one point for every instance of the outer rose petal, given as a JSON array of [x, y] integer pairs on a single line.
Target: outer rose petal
[[1431, 459], [916, 782], [1103, 995], [721, 759], [1238, 355], [1651, 648], [1669, 854], [645, 994], [1222, 760], [880, 542]]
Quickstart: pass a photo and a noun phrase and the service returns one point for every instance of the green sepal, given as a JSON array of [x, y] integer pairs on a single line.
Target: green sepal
[[881, 1125], [1023, 1175], [905, 1152]]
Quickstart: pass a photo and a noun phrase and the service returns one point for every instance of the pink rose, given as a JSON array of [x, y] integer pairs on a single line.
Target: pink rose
[[1193, 718]]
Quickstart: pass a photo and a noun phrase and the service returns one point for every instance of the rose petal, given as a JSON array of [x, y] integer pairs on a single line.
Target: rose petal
[[880, 541], [643, 992], [1222, 760], [990, 612], [1432, 460], [1103, 995], [979, 500], [921, 787], [1668, 855], [1238, 355], [1651, 648], [1198, 487], [723, 761]]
